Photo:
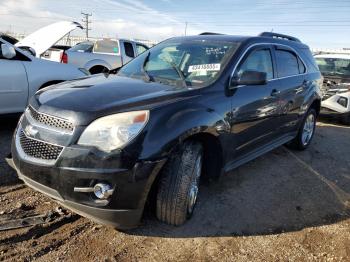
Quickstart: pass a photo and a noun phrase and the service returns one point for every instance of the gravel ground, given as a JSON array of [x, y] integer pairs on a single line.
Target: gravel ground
[[284, 206]]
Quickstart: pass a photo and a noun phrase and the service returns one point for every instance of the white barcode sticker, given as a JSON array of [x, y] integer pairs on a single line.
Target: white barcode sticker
[[204, 67]]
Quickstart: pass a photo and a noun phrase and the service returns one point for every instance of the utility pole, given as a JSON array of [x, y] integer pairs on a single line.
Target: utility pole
[[87, 23], [186, 28]]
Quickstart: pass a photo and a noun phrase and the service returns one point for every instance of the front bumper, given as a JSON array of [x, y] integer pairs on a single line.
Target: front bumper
[[332, 114], [118, 218], [77, 168]]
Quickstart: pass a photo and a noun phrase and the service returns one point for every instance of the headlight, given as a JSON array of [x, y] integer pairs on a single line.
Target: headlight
[[114, 131]]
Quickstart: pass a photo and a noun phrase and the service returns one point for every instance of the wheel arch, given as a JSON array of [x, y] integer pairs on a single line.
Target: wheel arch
[[49, 83], [316, 104], [213, 154]]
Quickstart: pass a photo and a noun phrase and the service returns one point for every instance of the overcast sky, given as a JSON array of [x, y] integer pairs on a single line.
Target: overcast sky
[[319, 23]]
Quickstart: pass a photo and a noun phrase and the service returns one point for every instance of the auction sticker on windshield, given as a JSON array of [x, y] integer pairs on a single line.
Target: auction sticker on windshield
[[204, 67]]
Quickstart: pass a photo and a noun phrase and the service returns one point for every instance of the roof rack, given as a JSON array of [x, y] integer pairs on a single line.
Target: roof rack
[[210, 33], [280, 36]]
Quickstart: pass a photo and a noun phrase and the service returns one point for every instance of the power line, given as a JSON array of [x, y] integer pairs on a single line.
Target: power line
[[87, 23]]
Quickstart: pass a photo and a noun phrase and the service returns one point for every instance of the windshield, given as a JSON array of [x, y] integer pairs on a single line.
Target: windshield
[[334, 66], [83, 47], [182, 62]]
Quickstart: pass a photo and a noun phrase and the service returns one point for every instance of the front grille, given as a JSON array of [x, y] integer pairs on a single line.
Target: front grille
[[39, 149], [51, 120]]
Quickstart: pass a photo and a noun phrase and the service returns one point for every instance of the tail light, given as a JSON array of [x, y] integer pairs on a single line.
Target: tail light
[[64, 58]]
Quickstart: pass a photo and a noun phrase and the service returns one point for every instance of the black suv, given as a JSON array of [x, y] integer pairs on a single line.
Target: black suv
[[187, 109]]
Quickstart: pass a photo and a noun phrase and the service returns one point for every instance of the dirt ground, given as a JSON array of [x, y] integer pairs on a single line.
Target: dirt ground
[[284, 206]]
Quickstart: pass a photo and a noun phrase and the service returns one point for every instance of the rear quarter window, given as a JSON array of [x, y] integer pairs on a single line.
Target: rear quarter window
[[309, 60], [107, 47]]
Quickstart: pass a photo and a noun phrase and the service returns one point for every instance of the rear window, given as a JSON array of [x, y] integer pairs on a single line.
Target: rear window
[[107, 47]]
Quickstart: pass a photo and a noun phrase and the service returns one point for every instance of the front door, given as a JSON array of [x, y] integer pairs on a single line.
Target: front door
[[255, 107], [13, 85]]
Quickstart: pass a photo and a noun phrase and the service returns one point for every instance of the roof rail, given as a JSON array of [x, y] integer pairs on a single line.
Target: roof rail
[[210, 33], [280, 36]]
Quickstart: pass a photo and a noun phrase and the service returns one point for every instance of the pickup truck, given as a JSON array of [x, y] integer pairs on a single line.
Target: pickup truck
[[104, 55]]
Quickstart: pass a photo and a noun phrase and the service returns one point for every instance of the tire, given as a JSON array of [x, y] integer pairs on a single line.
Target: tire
[[306, 131], [98, 70], [178, 185]]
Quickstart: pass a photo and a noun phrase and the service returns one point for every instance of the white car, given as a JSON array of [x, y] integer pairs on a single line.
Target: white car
[[335, 69], [22, 72]]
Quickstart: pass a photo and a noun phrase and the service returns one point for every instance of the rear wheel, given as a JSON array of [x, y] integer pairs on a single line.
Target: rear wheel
[[306, 131], [179, 184], [98, 69]]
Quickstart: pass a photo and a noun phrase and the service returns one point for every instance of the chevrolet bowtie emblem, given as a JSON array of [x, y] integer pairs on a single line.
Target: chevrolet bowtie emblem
[[31, 131]]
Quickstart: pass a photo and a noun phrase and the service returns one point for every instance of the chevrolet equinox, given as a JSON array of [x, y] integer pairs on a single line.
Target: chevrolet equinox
[[187, 109]]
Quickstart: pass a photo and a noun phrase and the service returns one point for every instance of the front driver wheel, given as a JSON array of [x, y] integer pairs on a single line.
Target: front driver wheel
[[179, 184], [306, 131]]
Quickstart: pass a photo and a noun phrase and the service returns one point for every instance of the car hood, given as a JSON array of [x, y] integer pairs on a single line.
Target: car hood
[[47, 36], [103, 94]]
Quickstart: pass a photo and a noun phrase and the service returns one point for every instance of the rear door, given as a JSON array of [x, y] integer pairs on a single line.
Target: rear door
[[292, 84], [255, 107], [13, 85]]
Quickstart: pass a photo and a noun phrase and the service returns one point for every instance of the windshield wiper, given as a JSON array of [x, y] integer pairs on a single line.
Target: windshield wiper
[[143, 70], [178, 70]]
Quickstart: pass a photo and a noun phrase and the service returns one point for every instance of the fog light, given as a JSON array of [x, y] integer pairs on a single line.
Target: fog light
[[103, 191]]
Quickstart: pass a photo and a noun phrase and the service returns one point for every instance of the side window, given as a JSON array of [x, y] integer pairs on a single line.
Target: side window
[[106, 47], [140, 49], [129, 50], [258, 60], [287, 63], [302, 68]]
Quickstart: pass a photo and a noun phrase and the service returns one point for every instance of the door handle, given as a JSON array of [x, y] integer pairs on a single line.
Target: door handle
[[275, 92], [299, 89]]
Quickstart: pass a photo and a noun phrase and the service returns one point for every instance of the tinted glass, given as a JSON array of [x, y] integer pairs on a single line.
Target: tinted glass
[[302, 68], [107, 46], [194, 61], [129, 50], [83, 47], [287, 63], [259, 60]]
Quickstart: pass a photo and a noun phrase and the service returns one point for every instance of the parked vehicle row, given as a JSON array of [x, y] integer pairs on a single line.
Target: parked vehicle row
[[22, 74], [24, 69], [335, 69], [188, 108]]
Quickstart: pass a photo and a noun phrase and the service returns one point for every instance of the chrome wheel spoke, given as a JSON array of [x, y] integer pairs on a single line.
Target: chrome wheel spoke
[[308, 129], [193, 191]]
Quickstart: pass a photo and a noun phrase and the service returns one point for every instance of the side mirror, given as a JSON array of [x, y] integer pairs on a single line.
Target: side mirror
[[249, 78], [8, 51]]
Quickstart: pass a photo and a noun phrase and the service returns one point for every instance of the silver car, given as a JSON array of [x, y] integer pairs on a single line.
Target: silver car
[[22, 74]]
